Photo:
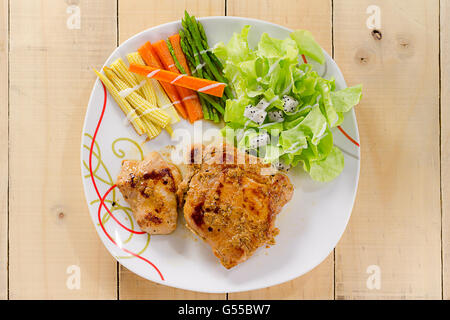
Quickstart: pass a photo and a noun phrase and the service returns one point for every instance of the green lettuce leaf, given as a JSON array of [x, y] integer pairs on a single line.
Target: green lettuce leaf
[[237, 48], [314, 125], [327, 105], [329, 168], [229, 134], [234, 112], [320, 151], [293, 141], [307, 45], [272, 153], [345, 99], [274, 49], [274, 128]]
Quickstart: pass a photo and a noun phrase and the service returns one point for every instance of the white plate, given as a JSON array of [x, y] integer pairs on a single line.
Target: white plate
[[310, 225]]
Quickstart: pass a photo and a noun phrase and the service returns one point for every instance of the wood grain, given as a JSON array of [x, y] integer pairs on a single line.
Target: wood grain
[[316, 17], [396, 222], [4, 149], [315, 285], [445, 140], [51, 78], [136, 16]]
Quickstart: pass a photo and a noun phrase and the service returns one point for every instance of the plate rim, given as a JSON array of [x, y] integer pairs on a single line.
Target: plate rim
[[173, 284]]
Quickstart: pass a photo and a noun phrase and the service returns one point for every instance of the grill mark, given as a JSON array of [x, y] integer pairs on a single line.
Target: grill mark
[[219, 189], [152, 218], [132, 182], [158, 175], [258, 192], [193, 154], [224, 157], [198, 214]]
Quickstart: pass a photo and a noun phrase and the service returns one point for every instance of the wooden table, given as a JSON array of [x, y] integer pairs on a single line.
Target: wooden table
[[397, 244]]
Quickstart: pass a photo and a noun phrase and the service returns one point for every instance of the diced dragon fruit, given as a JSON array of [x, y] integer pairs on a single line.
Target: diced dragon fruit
[[276, 116], [255, 114], [251, 152], [282, 166], [263, 104], [259, 141], [290, 104]]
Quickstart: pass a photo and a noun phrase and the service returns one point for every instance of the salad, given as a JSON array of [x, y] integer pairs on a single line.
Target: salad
[[283, 111]]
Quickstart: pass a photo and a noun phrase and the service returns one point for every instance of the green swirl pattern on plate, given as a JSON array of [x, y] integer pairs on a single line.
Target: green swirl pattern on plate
[[102, 174]]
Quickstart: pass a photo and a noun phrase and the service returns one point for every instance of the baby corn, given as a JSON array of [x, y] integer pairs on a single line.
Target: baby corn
[[162, 100], [156, 115], [121, 70], [147, 89], [137, 123]]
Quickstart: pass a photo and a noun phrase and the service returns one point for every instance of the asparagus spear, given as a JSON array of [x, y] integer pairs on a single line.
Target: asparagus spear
[[216, 105], [210, 54], [202, 33], [192, 54], [196, 72], [193, 51], [205, 43], [186, 49], [192, 27], [174, 57], [188, 41], [205, 108], [197, 44]]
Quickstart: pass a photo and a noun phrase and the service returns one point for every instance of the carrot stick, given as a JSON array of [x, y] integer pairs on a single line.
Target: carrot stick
[[149, 56], [189, 97], [151, 59], [201, 85], [162, 51], [175, 41], [177, 52]]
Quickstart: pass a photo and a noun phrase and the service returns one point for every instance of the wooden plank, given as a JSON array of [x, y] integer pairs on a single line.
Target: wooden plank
[[316, 17], [51, 232], [4, 147], [136, 16], [445, 140], [395, 227], [133, 287], [315, 285]]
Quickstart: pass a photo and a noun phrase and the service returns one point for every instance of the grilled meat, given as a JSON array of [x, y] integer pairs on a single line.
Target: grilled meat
[[149, 187], [231, 201]]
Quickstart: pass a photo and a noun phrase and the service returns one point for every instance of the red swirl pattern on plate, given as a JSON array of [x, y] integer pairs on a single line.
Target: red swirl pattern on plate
[[102, 199], [348, 136]]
